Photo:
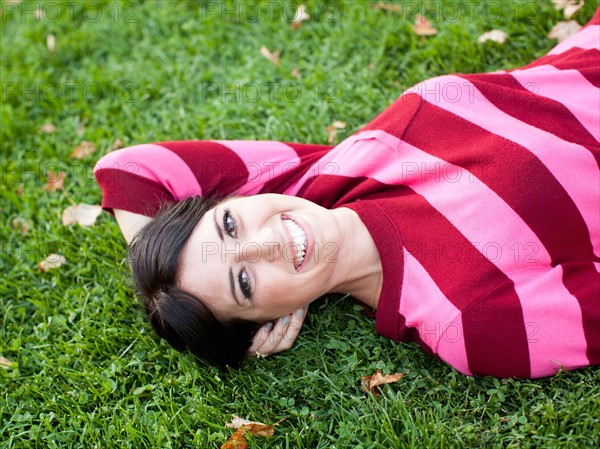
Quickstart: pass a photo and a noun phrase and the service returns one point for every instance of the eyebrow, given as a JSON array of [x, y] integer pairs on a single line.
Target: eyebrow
[[231, 277], [232, 286], [217, 225]]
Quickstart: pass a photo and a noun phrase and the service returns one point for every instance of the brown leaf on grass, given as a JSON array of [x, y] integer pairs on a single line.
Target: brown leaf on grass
[[84, 214], [20, 190], [56, 181], [498, 36], [82, 150], [295, 73], [255, 428], [117, 144], [559, 4], [12, 2], [38, 13], [371, 383], [332, 130], [564, 30], [238, 422], [237, 440], [331, 134], [261, 430], [570, 6], [5, 363], [21, 225], [386, 7], [48, 128], [273, 57], [300, 16], [51, 42], [51, 262], [422, 27]]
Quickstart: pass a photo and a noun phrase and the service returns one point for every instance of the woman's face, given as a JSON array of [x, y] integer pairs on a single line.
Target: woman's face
[[244, 258]]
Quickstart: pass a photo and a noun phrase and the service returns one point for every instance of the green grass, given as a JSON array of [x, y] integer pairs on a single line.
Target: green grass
[[89, 373]]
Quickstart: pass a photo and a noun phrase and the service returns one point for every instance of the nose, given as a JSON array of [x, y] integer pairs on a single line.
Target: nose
[[261, 245]]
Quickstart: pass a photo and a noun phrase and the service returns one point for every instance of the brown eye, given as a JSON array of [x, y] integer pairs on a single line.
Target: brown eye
[[244, 280], [229, 223]]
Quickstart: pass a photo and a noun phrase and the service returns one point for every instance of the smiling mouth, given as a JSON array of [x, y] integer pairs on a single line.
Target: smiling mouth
[[299, 241]]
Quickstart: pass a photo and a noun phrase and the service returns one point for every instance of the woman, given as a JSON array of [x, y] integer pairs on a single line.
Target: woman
[[464, 217]]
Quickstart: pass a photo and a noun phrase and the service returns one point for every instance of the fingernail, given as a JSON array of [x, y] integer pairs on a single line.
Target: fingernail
[[285, 320], [300, 313], [268, 327]]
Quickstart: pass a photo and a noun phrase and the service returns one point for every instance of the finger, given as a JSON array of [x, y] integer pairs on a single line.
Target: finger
[[261, 336], [266, 342], [284, 333], [293, 330]]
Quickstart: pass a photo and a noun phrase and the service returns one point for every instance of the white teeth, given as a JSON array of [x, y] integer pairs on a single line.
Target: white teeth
[[299, 239]]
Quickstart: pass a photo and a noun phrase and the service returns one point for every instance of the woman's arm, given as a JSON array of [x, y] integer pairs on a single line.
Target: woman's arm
[[140, 178], [130, 223]]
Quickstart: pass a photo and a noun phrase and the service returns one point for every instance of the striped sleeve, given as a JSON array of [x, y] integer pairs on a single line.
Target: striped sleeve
[[139, 178], [498, 208]]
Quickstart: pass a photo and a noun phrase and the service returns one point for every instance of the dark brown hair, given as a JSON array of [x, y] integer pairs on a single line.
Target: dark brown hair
[[178, 316]]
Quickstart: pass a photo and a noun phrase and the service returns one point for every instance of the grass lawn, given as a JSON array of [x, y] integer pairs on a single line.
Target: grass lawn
[[88, 371]]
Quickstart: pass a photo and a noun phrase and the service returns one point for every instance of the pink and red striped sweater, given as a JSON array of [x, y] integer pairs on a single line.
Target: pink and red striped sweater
[[481, 192]]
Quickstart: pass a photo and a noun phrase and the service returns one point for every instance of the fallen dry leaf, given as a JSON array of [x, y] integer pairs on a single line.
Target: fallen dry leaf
[[5, 363], [56, 181], [378, 379], [21, 224], [332, 130], [295, 73], [331, 134], [38, 13], [570, 6], [12, 2], [371, 383], [84, 214], [494, 36], [422, 27], [82, 150], [20, 190], [51, 262], [273, 57], [50, 42], [261, 430], [559, 4], [386, 7], [564, 30], [300, 16], [48, 128], [117, 144], [371, 66], [238, 422], [237, 440]]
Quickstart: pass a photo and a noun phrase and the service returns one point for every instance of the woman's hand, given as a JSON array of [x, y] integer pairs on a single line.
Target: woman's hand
[[278, 336]]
